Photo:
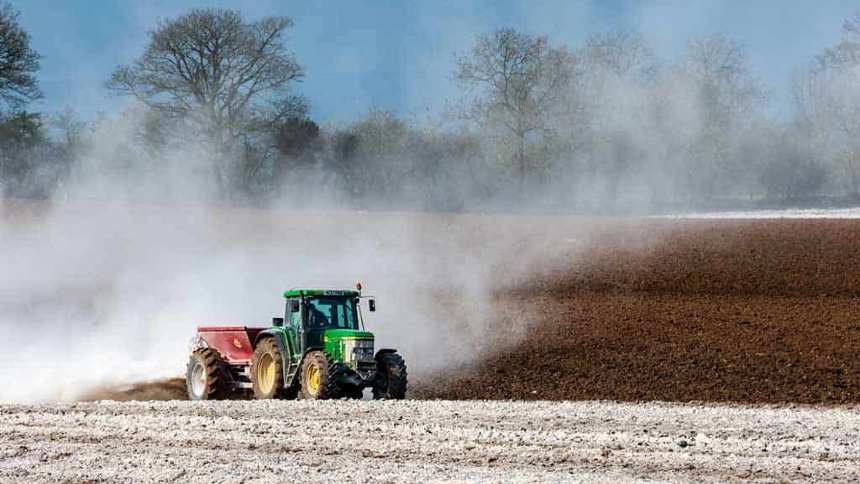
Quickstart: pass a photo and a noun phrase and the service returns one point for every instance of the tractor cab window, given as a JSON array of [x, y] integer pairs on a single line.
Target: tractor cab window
[[295, 317], [332, 312]]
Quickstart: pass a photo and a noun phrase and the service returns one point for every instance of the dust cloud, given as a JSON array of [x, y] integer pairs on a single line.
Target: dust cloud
[[102, 288]]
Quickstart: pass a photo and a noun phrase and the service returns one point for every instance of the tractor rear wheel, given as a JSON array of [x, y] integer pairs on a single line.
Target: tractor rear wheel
[[206, 377], [318, 377], [267, 370], [390, 377]]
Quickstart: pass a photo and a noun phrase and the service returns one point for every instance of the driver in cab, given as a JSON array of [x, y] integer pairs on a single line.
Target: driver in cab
[[317, 318]]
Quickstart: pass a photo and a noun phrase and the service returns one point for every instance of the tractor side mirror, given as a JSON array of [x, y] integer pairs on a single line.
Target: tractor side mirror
[[294, 305], [277, 321], [371, 304]]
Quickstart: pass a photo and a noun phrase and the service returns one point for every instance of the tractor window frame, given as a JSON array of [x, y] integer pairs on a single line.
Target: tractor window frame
[[291, 323], [337, 315]]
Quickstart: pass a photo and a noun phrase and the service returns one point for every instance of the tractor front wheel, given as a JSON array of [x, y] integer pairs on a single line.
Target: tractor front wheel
[[390, 377], [318, 377], [267, 371], [206, 377]]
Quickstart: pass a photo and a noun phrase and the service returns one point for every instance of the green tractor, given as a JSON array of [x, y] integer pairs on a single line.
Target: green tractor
[[318, 350]]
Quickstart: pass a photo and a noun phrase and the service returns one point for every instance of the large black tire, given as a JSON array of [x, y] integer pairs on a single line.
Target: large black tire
[[391, 378], [319, 377], [206, 377], [267, 371]]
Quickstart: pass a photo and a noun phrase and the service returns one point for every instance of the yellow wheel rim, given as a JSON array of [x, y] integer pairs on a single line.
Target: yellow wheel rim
[[314, 379], [266, 373]]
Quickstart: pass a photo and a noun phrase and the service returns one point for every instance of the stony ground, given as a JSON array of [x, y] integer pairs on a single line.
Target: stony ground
[[424, 441]]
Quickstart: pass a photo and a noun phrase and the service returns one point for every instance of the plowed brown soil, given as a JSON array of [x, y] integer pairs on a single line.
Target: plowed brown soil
[[730, 311]]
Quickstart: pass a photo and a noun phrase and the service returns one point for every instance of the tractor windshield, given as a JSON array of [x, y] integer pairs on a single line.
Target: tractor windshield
[[332, 312]]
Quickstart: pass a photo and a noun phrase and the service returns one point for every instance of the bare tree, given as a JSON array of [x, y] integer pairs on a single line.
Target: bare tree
[[722, 71], [624, 53], [846, 54], [70, 127], [728, 97], [827, 96], [618, 69], [828, 107], [18, 61], [518, 82], [212, 67]]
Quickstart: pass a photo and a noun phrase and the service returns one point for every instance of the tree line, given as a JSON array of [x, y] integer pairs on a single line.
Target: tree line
[[604, 126]]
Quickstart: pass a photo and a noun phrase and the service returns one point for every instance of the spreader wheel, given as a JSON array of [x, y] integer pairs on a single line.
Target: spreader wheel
[[206, 377], [267, 371], [390, 377]]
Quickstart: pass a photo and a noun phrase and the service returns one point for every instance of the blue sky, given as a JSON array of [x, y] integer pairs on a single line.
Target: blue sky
[[398, 55]]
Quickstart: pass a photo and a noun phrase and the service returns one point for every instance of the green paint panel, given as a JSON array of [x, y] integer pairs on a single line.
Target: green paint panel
[[333, 341]]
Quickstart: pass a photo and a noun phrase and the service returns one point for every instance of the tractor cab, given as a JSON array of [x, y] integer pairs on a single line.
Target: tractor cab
[[318, 310], [330, 319], [311, 309]]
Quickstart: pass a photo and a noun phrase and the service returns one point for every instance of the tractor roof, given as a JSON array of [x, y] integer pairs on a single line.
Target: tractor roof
[[301, 292]]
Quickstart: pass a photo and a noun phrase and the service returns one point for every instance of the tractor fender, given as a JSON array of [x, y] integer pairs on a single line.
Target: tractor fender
[[279, 341], [384, 351]]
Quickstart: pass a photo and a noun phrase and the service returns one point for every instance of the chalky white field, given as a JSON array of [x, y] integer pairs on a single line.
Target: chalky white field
[[424, 441]]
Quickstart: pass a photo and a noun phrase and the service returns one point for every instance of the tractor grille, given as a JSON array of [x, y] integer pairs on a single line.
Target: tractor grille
[[359, 350]]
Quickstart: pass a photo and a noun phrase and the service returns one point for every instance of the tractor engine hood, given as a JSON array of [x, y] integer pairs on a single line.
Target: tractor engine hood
[[348, 345]]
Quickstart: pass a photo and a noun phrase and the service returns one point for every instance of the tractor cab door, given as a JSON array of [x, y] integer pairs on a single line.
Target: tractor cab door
[[292, 330], [315, 323]]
